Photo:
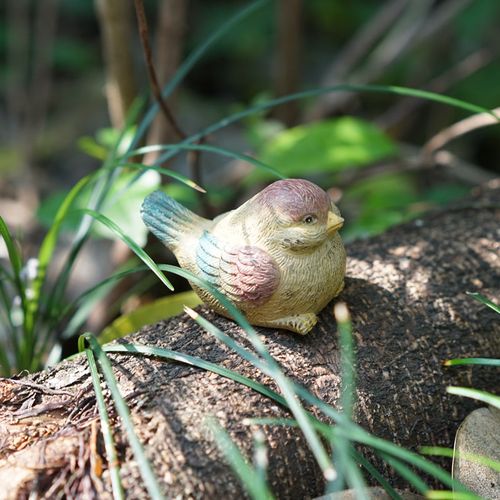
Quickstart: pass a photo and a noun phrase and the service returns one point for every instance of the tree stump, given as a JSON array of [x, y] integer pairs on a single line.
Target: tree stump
[[406, 293]]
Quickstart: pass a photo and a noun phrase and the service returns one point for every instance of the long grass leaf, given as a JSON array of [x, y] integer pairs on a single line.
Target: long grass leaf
[[123, 411], [190, 61], [367, 465], [98, 194], [341, 447], [406, 473], [355, 432], [484, 300], [451, 495], [471, 457], [6, 302], [197, 362], [14, 258], [472, 361], [271, 369], [47, 249], [483, 396], [107, 433], [385, 89], [253, 484], [165, 171], [209, 149], [130, 243]]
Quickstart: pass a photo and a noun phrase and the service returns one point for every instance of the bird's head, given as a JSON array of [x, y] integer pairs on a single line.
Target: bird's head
[[301, 216]]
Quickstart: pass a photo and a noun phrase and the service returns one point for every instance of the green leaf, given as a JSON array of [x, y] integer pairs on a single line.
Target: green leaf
[[472, 361], [484, 300], [451, 495], [170, 355], [270, 367], [107, 432], [252, 482], [15, 261], [483, 396], [123, 411], [380, 202], [328, 146], [130, 243], [472, 457], [161, 309], [384, 89], [209, 149]]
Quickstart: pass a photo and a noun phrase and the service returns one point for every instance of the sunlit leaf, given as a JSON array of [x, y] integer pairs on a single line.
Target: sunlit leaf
[[160, 309], [327, 146]]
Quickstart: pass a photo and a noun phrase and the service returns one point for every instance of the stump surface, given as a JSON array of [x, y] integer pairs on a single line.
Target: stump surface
[[406, 293]]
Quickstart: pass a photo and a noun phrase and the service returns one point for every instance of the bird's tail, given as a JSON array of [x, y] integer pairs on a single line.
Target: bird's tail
[[168, 220]]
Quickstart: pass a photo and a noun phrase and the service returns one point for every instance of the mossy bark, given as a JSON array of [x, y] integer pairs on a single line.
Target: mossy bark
[[406, 293]]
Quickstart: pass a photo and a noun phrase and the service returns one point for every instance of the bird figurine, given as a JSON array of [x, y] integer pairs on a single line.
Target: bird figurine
[[278, 257]]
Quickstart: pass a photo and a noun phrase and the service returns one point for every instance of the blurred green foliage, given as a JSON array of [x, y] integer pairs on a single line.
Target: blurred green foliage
[[326, 147]]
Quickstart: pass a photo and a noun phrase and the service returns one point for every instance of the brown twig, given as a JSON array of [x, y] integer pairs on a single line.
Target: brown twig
[[153, 80], [459, 128], [194, 160], [288, 57]]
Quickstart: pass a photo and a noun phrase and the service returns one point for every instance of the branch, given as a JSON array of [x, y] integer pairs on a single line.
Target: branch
[[459, 128], [153, 80]]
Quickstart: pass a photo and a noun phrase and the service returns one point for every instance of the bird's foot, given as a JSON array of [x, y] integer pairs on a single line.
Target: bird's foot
[[301, 323]]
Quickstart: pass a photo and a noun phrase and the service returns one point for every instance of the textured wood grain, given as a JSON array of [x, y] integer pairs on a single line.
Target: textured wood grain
[[405, 290]]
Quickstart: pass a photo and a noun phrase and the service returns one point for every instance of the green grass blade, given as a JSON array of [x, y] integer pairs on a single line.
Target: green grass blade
[[15, 260], [197, 362], [107, 433], [483, 396], [359, 435], [356, 433], [47, 249], [190, 61], [254, 486], [260, 456], [376, 475], [123, 411], [130, 243], [209, 149], [471, 457], [451, 495], [12, 334], [326, 431], [472, 361], [341, 447], [270, 368], [14, 255], [385, 89], [484, 300], [406, 473], [98, 194], [165, 171], [79, 315]]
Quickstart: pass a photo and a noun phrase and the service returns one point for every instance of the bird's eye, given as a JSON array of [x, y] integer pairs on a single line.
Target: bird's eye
[[310, 219]]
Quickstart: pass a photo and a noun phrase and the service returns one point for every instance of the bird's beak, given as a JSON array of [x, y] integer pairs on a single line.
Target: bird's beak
[[333, 223]]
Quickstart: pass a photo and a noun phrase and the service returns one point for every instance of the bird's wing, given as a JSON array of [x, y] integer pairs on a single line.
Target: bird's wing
[[245, 274]]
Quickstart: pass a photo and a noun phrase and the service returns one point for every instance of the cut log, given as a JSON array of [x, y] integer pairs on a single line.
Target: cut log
[[406, 293]]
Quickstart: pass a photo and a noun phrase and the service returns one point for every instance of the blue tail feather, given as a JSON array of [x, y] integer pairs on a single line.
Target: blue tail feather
[[166, 218]]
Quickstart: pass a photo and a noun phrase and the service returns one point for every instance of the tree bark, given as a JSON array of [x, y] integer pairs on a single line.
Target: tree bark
[[115, 21], [171, 30], [406, 293]]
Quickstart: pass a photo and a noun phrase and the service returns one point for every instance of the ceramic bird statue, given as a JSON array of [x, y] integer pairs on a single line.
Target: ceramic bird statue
[[278, 257]]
